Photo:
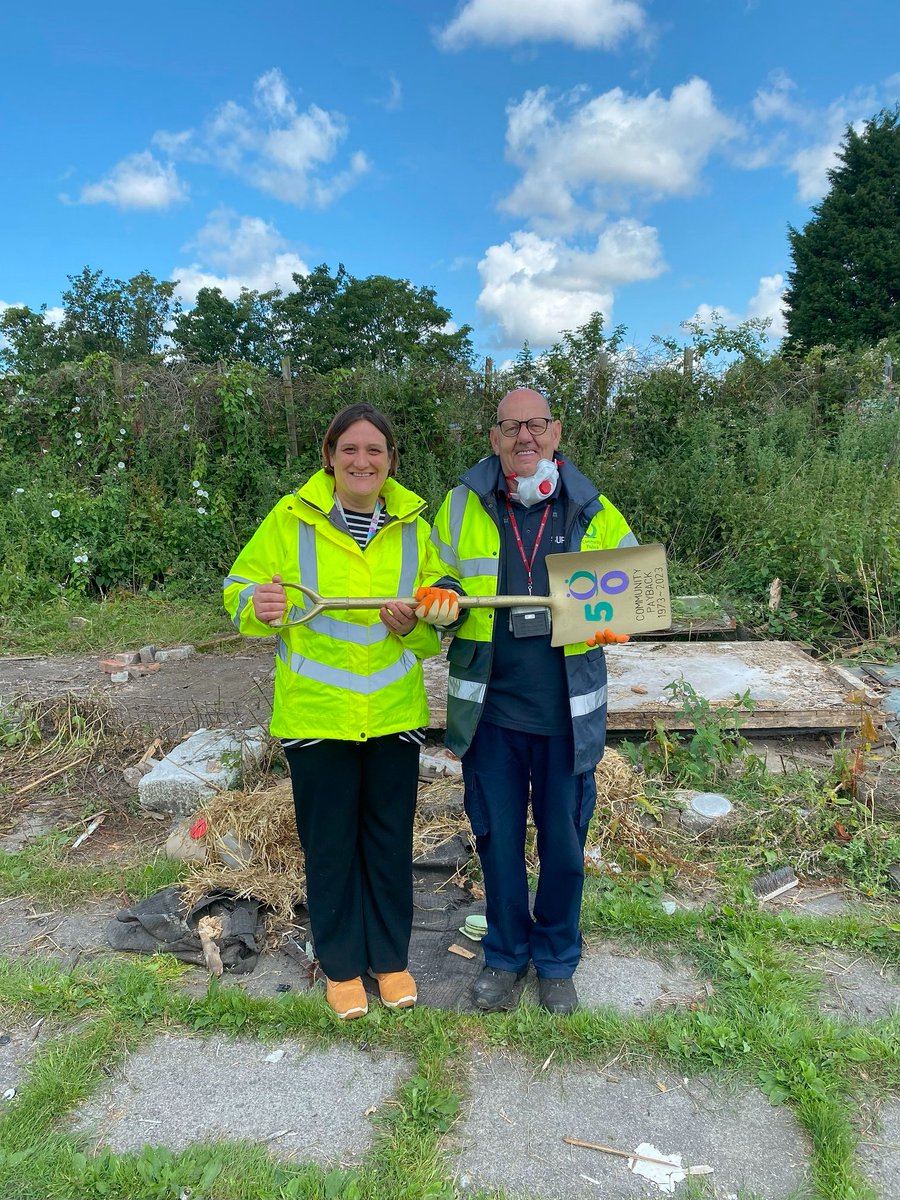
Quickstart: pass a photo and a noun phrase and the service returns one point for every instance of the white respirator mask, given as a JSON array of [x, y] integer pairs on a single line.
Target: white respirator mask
[[531, 489]]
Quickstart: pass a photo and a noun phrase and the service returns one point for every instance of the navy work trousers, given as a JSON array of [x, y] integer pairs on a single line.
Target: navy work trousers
[[354, 803], [500, 768]]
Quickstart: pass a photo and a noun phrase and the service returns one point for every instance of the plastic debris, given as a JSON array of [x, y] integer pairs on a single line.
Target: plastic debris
[[275, 1056]]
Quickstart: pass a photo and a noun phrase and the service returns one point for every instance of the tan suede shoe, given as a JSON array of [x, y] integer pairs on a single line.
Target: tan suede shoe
[[396, 988], [347, 998]]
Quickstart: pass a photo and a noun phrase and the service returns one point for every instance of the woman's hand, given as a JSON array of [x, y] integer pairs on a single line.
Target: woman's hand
[[270, 601], [398, 617]]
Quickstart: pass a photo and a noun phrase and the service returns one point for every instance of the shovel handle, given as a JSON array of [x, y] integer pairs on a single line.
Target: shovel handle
[[322, 603]]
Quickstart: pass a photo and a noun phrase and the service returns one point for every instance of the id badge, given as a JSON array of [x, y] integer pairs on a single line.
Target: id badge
[[529, 622]]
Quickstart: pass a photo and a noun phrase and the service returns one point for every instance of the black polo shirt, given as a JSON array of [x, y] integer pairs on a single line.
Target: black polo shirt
[[527, 689]]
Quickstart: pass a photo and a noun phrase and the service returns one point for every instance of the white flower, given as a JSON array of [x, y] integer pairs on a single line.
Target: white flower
[[202, 511], [55, 512], [77, 436], [201, 492], [121, 433], [121, 466], [80, 558], [77, 408], [195, 483], [49, 494], [249, 391], [186, 428], [20, 491]]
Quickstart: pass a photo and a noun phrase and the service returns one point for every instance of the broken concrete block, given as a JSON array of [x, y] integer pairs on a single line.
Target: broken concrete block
[[183, 780], [439, 763], [119, 677], [147, 654], [174, 654]]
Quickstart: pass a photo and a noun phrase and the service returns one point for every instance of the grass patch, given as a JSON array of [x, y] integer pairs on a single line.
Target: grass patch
[[122, 620]]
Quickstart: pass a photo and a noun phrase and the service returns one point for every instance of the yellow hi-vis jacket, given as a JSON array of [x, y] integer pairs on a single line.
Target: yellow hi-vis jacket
[[343, 675], [467, 536]]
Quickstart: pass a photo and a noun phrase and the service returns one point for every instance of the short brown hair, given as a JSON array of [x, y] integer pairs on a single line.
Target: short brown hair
[[348, 416]]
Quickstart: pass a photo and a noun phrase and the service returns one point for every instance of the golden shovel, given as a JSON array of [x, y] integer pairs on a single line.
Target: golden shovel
[[625, 590]]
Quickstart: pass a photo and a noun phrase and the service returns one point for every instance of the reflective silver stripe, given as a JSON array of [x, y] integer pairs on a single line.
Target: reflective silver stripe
[[466, 689], [306, 557], [235, 579], [628, 540], [583, 706], [446, 553], [245, 597], [362, 685], [478, 566], [458, 498], [409, 562], [347, 631]]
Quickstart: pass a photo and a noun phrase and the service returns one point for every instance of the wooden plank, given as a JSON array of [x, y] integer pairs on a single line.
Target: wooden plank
[[790, 689]]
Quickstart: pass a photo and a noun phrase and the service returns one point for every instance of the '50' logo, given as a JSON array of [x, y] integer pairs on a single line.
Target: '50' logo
[[585, 585]]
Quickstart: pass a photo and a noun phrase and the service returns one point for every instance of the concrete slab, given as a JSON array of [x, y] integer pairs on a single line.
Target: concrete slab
[[32, 927], [856, 987], [210, 760], [879, 1150], [15, 1055], [310, 1106], [518, 1114], [630, 982]]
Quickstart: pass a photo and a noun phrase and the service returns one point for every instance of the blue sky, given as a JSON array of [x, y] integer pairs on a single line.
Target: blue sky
[[532, 160]]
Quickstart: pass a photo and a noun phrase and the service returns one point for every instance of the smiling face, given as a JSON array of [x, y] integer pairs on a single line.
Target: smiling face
[[361, 462], [521, 454]]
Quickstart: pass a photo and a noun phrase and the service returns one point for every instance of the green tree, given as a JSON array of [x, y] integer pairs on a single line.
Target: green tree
[[845, 285], [29, 343], [217, 328], [124, 318], [333, 321]]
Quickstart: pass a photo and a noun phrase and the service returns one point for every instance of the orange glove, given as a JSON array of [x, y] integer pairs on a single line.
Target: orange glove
[[437, 606], [606, 637]]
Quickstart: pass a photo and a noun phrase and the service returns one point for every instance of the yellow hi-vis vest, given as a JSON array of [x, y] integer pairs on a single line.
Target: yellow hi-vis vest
[[467, 536], [342, 675]]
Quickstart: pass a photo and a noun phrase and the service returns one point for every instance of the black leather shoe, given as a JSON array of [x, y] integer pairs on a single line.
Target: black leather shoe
[[494, 989], [557, 995]]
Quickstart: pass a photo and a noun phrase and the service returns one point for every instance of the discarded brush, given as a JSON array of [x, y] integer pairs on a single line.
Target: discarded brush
[[782, 879]]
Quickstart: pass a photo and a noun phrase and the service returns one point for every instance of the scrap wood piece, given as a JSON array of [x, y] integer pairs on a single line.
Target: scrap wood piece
[[210, 929], [460, 950], [95, 824], [637, 1157]]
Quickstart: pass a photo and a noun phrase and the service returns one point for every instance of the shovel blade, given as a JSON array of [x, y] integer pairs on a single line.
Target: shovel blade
[[625, 590]]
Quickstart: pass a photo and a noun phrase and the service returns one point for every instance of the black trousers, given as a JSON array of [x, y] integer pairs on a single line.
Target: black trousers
[[355, 803]]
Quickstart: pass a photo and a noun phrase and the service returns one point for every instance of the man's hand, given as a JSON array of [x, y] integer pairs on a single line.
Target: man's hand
[[437, 606], [270, 602], [606, 637]]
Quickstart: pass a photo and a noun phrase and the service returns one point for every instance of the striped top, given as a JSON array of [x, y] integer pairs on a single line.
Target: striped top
[[360, 525]]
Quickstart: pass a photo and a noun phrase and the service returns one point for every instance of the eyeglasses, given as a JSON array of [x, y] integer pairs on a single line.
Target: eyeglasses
[[536, 426]]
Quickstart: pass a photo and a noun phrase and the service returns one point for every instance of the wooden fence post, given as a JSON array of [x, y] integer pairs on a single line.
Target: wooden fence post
[[289, 411], [688, 362]]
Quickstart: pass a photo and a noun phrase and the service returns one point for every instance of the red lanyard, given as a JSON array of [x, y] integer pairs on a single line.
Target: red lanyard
[[528, 563]]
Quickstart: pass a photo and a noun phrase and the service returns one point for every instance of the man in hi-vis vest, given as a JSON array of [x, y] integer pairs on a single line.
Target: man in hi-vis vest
[[528, 719]]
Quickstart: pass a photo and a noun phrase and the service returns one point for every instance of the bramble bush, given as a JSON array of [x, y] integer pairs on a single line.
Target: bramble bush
[[152, 475]]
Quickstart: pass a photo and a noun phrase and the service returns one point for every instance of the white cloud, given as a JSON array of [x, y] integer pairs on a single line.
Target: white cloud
[[809, 142], [232, 252], [534, 287], [394, 99], [138, 181], [576, 163], [767, 303], [584, 23], [272, 145]]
